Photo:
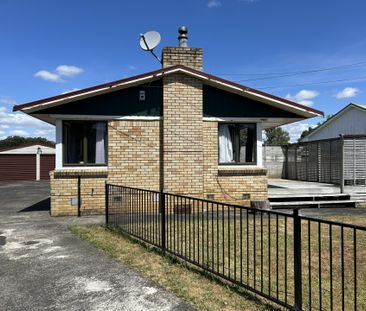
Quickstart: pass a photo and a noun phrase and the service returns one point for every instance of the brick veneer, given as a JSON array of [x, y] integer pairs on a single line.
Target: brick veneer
[[178, 153], [134, 153], [183, 135], [190, 57], [64, 187]]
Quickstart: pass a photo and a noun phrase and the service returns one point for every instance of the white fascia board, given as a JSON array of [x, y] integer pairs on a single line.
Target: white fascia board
[[104, 117], [266, 122], [232, 119]]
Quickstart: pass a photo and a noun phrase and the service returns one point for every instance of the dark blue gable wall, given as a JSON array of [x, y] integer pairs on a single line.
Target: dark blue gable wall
[[126, 102], [219, 103]]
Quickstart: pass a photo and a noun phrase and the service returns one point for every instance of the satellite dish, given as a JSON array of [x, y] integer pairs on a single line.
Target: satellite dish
[[149, 40]]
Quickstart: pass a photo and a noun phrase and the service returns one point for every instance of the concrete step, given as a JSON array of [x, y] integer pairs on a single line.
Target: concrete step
[[310, 197], [289, 192], [314, 204]]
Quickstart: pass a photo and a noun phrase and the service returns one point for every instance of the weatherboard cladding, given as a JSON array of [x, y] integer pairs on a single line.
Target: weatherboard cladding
[[126, 102]]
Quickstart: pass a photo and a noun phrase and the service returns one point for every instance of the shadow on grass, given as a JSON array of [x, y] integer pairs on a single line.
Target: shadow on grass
[[43, 205], [191, 267]]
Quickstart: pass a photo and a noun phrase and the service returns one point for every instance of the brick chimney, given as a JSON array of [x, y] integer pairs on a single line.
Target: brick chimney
[[182, 55], [182, 122]]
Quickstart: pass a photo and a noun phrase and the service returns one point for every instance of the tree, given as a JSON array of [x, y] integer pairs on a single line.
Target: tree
[[13, 141], [306, 132], [276, 136], [310, 129]]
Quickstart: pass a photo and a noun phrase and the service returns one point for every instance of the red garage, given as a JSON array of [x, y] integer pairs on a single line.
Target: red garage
[[27, 162]]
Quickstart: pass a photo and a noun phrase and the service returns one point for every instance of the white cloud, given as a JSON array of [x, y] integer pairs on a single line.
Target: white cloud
[[214, 4], [69, 91], [6, 100], [250, 1], [61, 71], [295, 130], [68, 71], [48, 76], [347, 92], [44, 133], [18, 133], [304, 97], [132, 67], [21, 124]]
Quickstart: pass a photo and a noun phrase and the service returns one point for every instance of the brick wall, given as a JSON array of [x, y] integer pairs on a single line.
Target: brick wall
[[134, 153], [64, 188], [183, 135], [178, 153], [190, 57]]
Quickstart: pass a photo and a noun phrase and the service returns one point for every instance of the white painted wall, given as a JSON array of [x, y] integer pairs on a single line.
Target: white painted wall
[[351, 122], [58, 164], [259, 145]]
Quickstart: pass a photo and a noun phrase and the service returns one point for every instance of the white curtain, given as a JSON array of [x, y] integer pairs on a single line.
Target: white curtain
[[225, 144], [99, 147]]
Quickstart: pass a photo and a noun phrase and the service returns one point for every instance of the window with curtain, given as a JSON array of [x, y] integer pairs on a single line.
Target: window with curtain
[[237, 143], [85, 143]]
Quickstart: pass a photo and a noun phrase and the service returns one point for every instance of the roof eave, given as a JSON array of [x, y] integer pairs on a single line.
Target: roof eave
[[304, 111]]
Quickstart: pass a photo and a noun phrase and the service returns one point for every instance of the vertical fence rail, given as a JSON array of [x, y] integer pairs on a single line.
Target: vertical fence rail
[[298, 262], [340, 161]]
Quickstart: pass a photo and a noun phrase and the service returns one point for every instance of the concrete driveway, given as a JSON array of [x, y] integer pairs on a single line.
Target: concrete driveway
[[44, 267]]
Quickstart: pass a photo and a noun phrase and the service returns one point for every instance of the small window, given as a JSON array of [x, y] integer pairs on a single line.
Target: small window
[[237, 143], [85, 143]]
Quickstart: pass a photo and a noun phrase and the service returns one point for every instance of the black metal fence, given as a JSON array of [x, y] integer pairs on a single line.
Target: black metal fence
[[298, 262]]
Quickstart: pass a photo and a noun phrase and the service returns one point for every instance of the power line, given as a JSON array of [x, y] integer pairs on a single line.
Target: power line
[[312, 83], [292, 73]]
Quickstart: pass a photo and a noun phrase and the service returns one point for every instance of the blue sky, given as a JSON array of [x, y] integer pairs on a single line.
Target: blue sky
[[313, 52]]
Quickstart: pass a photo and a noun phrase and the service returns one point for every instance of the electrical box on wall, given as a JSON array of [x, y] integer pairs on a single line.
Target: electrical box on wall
[[142, 95]]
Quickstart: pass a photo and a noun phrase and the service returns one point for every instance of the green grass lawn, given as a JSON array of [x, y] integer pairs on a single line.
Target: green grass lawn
[[227, 246], [197, 289]]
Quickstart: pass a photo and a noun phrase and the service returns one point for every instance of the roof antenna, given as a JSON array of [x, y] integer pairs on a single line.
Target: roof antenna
[[149, 41]]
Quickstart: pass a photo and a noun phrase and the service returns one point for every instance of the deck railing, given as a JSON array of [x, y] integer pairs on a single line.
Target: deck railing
[[298, 262]]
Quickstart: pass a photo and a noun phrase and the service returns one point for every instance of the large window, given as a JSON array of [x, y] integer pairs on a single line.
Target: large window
[[237, 143], [84, 143]]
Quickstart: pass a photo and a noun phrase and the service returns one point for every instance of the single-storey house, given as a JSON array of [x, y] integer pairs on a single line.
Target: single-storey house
[[351, 120], [27, 162], [176, 129]]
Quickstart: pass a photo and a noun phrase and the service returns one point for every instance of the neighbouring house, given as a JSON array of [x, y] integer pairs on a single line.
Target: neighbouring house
[[351, 120], [27, 162], [176, 129]]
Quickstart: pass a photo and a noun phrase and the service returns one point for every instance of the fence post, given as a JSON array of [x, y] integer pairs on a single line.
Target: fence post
[[79, 196], [162, 213], [296, 162], [297, 260], [106, 203], [341, 181]]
